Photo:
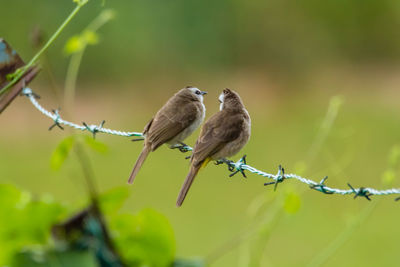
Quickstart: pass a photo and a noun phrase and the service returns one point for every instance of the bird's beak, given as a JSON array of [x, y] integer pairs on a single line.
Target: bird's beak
[[203, 92]]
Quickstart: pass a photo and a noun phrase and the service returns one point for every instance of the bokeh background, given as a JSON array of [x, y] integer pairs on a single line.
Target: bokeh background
[[320, 80]]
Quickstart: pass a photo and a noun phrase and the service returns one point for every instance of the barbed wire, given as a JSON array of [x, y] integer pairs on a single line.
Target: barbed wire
[[234, 167], [58, 121]]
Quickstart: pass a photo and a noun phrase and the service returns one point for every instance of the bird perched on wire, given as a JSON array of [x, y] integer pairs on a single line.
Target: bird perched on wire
[[176, 120], [223, 135]]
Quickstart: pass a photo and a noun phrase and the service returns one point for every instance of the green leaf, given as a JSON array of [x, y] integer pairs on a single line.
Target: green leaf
[[74, 44], [95, 145], [90, 37], [113, 200], [61, 152], [146, 238], [292, 203], [24, 220]]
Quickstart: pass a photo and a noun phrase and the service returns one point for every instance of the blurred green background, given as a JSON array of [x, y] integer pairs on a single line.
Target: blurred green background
[[292, 62]]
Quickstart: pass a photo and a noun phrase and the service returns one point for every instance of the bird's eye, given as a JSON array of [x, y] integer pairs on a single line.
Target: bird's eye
[[198, 92]]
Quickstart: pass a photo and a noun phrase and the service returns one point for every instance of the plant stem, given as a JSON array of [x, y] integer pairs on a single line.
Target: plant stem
[[76, 59], [70, 80], [69, 98], [87, 169], [22, 71]]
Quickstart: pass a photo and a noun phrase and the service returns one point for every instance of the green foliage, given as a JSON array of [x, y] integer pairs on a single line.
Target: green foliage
[[73, 45], [95, 144], [64, 148], [77, 43], [112, 200], [24, 220], [61, 152], [144, 239]]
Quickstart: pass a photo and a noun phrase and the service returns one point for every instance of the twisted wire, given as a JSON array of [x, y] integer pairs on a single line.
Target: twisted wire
[[235, 167], [58, 120]]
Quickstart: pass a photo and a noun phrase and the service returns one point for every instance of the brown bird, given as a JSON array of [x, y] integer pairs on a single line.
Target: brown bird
[[223, 135], [177, 119]]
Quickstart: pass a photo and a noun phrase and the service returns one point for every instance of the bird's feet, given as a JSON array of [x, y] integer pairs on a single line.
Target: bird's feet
[[233, 167], [182, 147]]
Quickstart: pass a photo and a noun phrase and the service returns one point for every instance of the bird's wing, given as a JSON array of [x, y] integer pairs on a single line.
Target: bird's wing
[[219, 130], [169, 122], [147, 127]]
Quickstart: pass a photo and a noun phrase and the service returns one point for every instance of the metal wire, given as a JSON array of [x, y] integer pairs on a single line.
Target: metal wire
[[235, 167], [55, 116]]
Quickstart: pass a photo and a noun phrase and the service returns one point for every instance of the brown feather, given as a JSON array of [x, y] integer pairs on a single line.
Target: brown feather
[[222, 128], [176, 115], [186, 185], [139, 162], [223, 135], [182, 113]]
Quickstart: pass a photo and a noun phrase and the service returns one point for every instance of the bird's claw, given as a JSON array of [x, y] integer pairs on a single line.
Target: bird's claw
[[232, 166], [218, 162], [182, 147]]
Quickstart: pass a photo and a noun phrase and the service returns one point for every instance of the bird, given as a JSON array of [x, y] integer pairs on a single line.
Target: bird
[[180, 116], [223, 135]]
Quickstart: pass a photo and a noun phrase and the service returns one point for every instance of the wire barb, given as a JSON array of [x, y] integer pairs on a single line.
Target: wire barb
[[33, 98], [56, 120], [321, 186], [279, 178], [234, 168], [229, 163], [361, 192], [29, 93], [94, 129], [238, 167]]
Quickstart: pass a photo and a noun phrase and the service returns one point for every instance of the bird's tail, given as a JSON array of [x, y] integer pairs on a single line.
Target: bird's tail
[[142, 157], [194, 169]]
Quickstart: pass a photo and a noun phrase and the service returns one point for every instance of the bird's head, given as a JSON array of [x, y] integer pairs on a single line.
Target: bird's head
[[229, 99], [195, 93]]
